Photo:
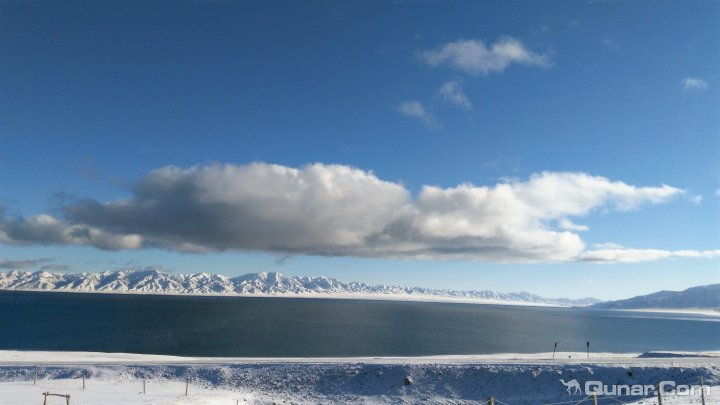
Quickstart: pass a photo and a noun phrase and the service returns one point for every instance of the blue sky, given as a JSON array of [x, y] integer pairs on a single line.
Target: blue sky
[[95, 97]]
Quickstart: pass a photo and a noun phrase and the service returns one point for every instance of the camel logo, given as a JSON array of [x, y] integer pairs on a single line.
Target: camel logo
[[572, 386]]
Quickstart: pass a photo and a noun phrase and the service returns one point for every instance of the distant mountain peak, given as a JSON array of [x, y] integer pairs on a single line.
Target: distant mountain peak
[[263, 283], [700, 297]]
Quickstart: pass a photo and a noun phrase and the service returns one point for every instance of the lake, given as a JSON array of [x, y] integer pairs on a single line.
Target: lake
[[300, 327]]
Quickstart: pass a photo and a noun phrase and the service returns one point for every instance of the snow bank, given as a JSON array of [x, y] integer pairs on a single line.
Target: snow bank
[[117, 378]]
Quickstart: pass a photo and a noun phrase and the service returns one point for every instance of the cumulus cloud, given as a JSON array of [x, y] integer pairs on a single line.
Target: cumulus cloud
[[694, 83], [416, 109], [47, 230], [452, 92], [22, 263], [322, 209], [474, 57]]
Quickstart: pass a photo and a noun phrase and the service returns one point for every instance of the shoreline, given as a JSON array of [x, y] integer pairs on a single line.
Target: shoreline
[[380, 297], [21, 357], [688, 311], [365, 297]]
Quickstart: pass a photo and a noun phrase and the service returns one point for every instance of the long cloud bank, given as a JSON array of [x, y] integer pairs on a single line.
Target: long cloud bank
[[339, 210]]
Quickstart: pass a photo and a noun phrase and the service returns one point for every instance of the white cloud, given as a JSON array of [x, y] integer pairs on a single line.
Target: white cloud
[[452, 91], [571, 226], [415, 109], [694, 83], [627, 255], [323, 209], [696, 199], [474, 57]]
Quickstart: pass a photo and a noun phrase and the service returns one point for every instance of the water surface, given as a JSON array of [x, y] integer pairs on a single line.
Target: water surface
[[280, 327]]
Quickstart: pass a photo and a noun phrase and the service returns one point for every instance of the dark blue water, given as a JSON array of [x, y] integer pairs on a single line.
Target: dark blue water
[[220, 326]]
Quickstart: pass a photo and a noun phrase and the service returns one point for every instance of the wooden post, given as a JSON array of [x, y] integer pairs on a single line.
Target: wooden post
[[34, 377], [47, 394], [588, 349], [595, 398], [491, 401], [187, 382], [83, 382], [659, 395], [143, 386], [554, 349], [702, 391]]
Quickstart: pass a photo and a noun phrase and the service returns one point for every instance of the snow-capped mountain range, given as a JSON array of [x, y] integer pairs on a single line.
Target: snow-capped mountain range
[[150, 281], [706, 296]]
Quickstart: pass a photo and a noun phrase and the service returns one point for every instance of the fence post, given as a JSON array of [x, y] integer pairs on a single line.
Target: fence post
[[34, 377], [659, 394], [45, 400], [143, 386], [67, 399], [702, 391], [187, 382], [594, 398], [83, 381], [491, 401]]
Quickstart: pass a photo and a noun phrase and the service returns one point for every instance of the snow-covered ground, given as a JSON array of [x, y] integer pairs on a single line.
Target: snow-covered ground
[[510, 378]]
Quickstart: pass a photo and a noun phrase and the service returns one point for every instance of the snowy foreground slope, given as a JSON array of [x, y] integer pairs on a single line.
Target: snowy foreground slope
[[510, 379], [150, 281]]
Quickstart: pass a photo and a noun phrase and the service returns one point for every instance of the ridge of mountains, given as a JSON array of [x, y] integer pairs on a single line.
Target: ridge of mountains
[[701, 297], [152, 281]]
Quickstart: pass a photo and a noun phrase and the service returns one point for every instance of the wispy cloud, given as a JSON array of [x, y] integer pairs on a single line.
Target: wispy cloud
[[568, 225], [452, 92], [694, 83], [54, 267], [339, 210], [22, 263], [416, 109], [627, 255], [474, 57]]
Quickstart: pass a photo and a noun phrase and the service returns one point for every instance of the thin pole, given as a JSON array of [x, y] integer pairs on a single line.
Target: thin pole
[[588, 349], [659, 395], [594, 398], [83, 382], [143, 386], [186, 386], [491, 401], [34, 377], [554, 349], [702, 391]]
